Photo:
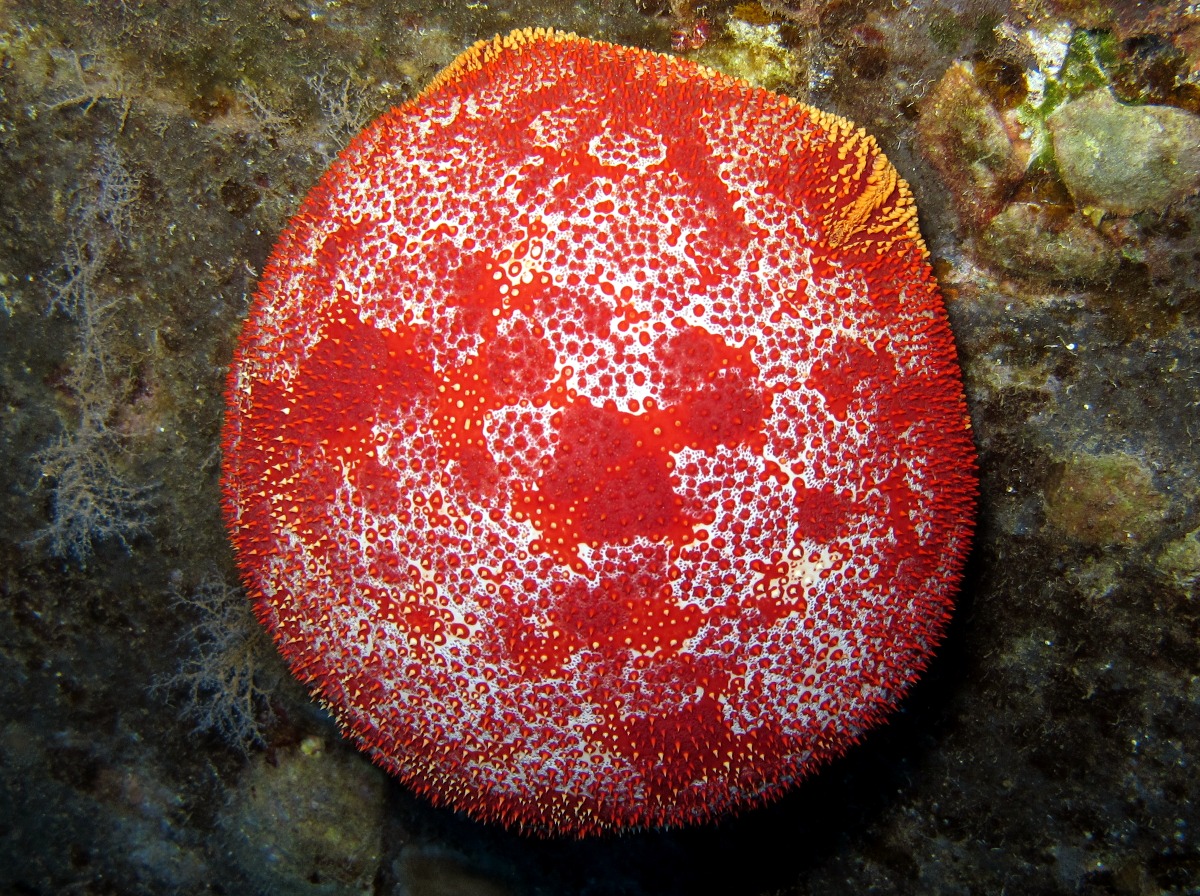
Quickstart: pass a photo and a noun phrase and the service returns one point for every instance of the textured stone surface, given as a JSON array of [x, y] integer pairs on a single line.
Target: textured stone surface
[[967, 141], [1126, 159], [429, 871], [1028, 240], [1104, 499], [306, 821]]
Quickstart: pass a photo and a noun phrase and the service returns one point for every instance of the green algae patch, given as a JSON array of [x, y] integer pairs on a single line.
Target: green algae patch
[[1086, 62], [1179, 561], [1104, 499], [1032, 240], [753, 52], [307, 821]]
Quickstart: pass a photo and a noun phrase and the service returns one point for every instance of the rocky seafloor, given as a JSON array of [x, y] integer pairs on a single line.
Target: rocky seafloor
[[151, 741]]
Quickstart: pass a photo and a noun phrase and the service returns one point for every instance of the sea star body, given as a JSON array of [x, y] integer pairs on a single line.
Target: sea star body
[[596, 446]]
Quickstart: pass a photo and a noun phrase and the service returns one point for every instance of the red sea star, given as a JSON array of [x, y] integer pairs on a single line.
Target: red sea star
[[596, 448]]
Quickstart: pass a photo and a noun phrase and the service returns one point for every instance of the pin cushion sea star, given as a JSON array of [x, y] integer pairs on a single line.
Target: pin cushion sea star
[[596, 447]]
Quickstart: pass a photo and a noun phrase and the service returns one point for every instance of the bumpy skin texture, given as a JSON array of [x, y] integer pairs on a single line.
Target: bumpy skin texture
[[596, 448]]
